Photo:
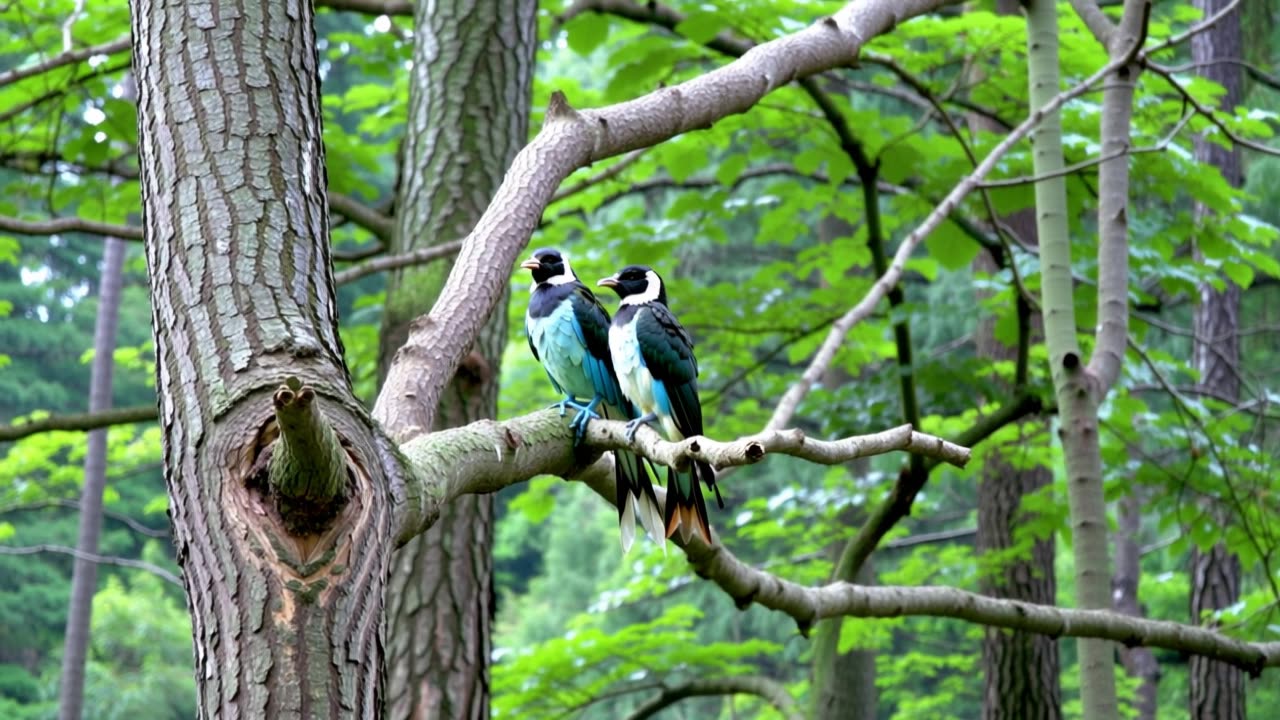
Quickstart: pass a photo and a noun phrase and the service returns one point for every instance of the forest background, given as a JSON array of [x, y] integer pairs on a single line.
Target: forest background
[[768, 226]]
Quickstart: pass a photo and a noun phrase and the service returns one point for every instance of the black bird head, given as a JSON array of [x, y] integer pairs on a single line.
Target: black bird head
[[636, 285], [549, 266]]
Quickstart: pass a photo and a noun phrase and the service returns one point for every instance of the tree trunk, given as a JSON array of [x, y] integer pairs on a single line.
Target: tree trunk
[[1021, 671], [1217, 689], [468, 116], [84, 578], [286, 617], [1139, 662]]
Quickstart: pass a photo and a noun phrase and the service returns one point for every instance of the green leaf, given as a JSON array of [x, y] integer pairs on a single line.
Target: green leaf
[[538, 500], [1240, 273], [951, 247], [587, 31], [6, 531], [701, 26]]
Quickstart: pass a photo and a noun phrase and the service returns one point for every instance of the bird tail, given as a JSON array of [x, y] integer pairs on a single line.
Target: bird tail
[[686, 509], [636, 498]]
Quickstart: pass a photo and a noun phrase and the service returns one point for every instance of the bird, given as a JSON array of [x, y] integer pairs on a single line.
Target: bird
[[568, 332], [657, 371]]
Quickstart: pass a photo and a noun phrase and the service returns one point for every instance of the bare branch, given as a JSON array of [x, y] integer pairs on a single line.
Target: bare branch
[[381, 225], [1097, 21], [1189, 32], [807, 605], [62, 59], [58, 226], [75, 505], [771, 691], [90, 557], [1085, 164], [1209, 113], [571, 139], [605, 175], [421, 256], [822, 360], [611, 434], [78, 421], [810, 604]]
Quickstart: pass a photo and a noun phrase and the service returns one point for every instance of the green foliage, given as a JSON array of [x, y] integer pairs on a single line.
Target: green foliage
[[759, 225]]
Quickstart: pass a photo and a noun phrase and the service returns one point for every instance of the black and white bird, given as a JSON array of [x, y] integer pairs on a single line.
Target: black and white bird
[[568, 332], [657, 371]]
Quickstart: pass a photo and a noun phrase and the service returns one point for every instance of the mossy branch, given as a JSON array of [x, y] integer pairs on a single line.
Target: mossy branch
[[307, 472]]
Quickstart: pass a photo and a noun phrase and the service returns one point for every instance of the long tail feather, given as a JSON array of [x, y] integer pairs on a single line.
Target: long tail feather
[[686, 508], [636, 497]]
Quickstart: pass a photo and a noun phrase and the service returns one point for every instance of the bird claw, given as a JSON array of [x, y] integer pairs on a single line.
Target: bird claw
[[585, 414], [634, 425], [579, 423]]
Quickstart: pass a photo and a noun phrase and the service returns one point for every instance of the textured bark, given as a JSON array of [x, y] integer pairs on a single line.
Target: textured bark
[[1217, 690], [468, 116], [84, 577], [1139, 662], [233, 183]]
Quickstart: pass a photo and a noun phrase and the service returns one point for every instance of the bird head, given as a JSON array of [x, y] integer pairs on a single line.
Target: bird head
[[636, 285], [549, 266]]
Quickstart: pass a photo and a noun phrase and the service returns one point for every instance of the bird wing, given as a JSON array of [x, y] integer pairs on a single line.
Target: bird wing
[[591, 323], [667, 351]]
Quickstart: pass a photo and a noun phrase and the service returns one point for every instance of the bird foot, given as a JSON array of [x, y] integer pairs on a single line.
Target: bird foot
[[634, 425], [585, 414]]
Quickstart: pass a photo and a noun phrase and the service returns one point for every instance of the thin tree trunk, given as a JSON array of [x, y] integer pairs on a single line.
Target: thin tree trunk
[[468, 116], [84, 578], [1021, 671], [1217, 689], [1139, 662]]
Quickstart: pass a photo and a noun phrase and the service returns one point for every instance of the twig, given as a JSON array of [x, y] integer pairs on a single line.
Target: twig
[[393, 262], [66, 58], [90, 557], [78, 421], [790, 401]]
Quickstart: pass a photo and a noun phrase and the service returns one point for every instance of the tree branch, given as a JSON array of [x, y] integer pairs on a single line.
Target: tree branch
[[486, 456], [790, 401], [807, 605], [420, 256], [382, 226], [75, 505], [58, 226], [771, 691], [91, 557], [62, 59], [571, 139], [307, 467], [78, 421]]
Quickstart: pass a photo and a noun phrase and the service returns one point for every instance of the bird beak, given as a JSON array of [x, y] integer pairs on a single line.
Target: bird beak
[[609, 282], [531, 264]]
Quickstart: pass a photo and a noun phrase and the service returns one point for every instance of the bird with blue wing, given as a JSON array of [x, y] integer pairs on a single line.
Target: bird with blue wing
[[657, 371], [568, 332]]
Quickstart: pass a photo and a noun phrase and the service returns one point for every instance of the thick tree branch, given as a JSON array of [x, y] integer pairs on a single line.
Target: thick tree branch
[[63, 59], [78, 421], [93, 557], [771, 691], [487, 456], [58, 226], [807, 605], [571, 139], [753, 448]]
